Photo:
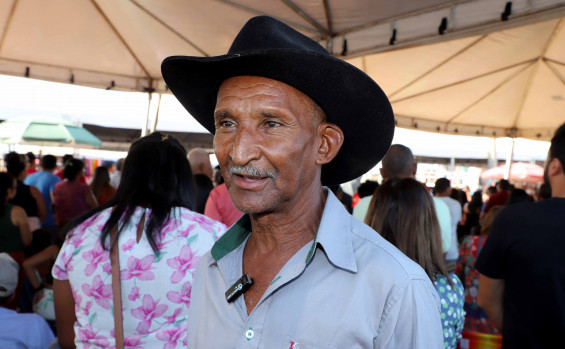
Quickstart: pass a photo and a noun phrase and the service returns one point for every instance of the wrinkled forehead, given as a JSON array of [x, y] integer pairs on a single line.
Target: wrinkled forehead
[[270, 91]]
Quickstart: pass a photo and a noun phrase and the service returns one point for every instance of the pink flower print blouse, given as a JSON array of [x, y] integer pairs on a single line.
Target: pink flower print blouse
[[155, 286]]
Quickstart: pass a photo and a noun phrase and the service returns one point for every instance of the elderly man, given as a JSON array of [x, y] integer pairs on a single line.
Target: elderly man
[[297, 270]]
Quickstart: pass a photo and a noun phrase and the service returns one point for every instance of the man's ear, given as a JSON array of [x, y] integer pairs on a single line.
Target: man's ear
[[331, 137], [555, 167]]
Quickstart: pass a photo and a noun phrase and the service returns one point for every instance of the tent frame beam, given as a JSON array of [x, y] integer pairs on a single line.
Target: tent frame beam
[[120, 37], [8, 21], [164, 24], [261, 13]]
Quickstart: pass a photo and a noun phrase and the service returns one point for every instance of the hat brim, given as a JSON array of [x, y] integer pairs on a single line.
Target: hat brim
[[350, 98]]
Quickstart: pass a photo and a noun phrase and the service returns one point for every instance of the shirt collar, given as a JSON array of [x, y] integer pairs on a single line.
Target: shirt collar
[[333, 235]]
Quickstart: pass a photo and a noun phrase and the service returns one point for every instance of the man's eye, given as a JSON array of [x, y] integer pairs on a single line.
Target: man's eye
[[272, 123], [226, 123]]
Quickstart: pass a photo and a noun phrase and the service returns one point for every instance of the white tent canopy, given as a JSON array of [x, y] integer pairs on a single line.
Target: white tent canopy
[[438, 63], [121, 43], [509, 83]]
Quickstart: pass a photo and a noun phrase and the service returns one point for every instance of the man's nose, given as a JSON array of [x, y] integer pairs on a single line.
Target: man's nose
[[245, 147]]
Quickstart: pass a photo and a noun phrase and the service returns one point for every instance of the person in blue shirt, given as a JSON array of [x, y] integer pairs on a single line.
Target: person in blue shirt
[[45, 181], [19, 330]]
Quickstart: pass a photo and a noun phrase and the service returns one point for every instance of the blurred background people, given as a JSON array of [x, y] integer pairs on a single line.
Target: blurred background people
[[365, 191], [71, 197], [199, 160], [158, 241], [476, 320], [15, 233], [45, 182], [27, 197], [470, 218], [399, 163], [18, 330], [14, 228], [403, 212], [498, 198], [117, 174], [442, 191], [202, 187], [100, 185], [30, 163]]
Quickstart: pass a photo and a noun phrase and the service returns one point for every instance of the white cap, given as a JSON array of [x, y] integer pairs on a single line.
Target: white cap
[[8, 275]]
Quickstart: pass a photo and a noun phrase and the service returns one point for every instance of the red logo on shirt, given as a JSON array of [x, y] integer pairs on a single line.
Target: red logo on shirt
[[291, 345]]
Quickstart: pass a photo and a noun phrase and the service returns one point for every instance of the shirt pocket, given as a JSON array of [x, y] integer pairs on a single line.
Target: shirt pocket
[[298, 343]]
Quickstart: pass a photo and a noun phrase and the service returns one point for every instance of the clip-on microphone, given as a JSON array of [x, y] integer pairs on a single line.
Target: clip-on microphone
[[238, 288]]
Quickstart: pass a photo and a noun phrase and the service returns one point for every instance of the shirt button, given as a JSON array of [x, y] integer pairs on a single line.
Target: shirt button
[[249, 334]]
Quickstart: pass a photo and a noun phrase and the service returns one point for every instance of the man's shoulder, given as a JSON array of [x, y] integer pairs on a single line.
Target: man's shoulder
[[440, 203], [449, 201], [32, 178], [533, 211], [370, 248]]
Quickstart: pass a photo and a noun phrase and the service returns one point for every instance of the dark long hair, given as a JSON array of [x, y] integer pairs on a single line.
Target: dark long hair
[[6, 182], [203, 187], [156, 175], [403, 212], [476, 202], [100, 180]]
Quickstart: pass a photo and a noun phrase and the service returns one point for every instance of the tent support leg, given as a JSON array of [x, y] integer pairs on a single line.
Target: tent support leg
[[509, 159], [492, 160], [152, 114]]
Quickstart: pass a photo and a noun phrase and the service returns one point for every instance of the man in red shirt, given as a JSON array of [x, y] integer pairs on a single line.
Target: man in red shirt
[[500, 198]]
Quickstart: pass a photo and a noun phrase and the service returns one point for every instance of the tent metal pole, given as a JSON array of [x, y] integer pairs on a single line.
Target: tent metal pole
[[509, 159], [147, 117], [154, 126], [492, 160]]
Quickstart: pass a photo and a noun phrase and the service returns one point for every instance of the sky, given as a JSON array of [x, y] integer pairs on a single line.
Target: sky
[[24, 97]]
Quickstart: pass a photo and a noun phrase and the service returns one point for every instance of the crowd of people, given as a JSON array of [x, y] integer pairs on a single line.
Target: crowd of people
[[267, 250]]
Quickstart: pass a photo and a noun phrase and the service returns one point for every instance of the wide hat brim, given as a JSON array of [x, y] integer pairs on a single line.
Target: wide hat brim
[[350, 98]]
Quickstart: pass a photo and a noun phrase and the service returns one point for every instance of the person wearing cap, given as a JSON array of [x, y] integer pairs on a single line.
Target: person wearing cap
[[18, 330], [297, 269]]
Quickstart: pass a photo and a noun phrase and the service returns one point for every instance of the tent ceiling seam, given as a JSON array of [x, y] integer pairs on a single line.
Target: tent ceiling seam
[[8, 22], [553, 61], [328, 17], [494, 25], [402, 16], [75, 69], [554, 71], [439, 65], [466, 80], [299, 11], [548, 44], [261, 13], [160, 21], [490, 92], [113, 28]]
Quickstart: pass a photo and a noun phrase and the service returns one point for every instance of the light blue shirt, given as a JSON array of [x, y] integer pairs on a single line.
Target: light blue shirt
[[350, 288], [44, 181], [444, 220], [23, 330]]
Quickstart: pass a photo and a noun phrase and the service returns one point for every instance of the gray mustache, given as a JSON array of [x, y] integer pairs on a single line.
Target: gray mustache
[[250, 171]]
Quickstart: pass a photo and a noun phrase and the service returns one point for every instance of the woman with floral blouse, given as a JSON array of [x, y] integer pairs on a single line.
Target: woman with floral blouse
[[159, 241]]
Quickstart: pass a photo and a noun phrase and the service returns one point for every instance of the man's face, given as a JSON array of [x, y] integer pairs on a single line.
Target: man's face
[[266, 143]]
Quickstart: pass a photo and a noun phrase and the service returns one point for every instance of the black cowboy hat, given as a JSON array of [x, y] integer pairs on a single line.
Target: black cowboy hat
[[268, 48]]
